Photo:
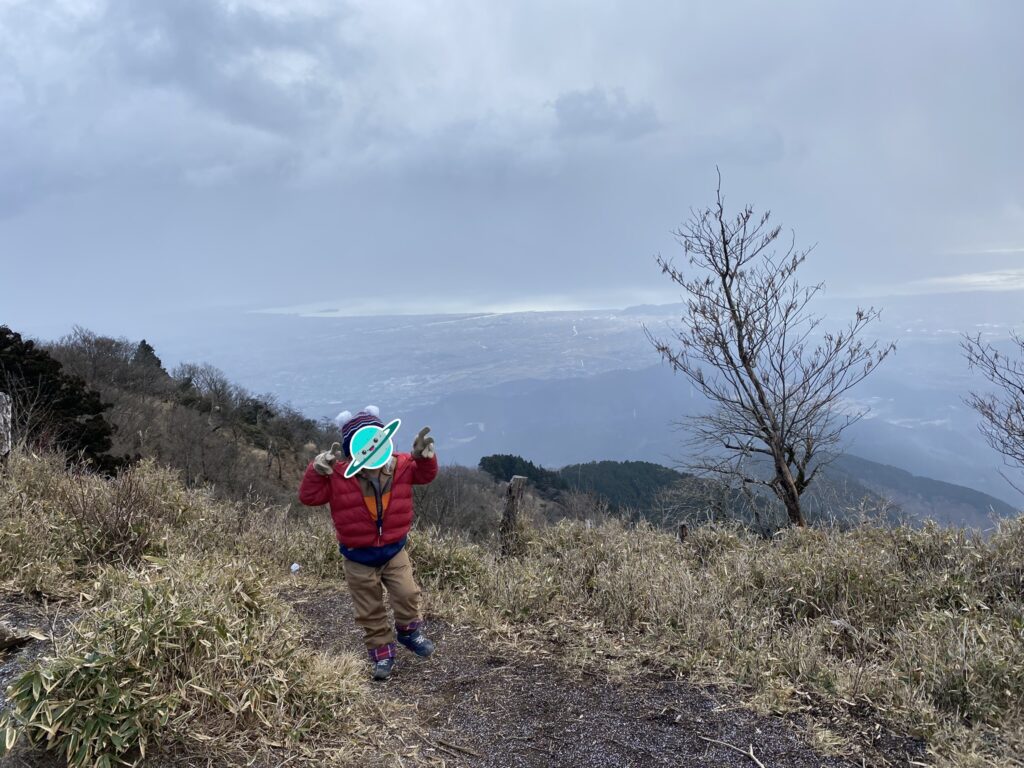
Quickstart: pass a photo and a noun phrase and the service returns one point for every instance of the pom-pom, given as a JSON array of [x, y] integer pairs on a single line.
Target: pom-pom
[[342, 418], [373, 410]]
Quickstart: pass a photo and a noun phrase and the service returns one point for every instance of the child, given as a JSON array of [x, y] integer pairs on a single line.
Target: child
[[372, 512]]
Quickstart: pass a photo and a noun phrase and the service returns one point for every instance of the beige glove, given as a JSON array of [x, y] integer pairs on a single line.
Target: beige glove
[[324, 462], [423, 446]]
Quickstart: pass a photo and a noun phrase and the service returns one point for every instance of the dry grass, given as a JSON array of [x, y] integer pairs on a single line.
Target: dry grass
[[920, 629], [191, 662], [58, 529], [181, 654]]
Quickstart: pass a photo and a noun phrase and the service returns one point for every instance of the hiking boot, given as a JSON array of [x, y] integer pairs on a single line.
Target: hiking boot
[[383, 660], [416, 642], [382, 669]]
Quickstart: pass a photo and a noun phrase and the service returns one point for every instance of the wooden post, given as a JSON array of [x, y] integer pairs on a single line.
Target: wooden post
[[511, 535], [6, 427], [684, 531]]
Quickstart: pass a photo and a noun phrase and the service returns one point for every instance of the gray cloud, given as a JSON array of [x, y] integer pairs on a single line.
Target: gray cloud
[[595, 112], [272, 73], [206, 152]]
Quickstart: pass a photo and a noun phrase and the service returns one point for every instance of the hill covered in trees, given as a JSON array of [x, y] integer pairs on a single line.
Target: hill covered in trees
[[502, 466], [634, 484], [848, 488], [112, 400]]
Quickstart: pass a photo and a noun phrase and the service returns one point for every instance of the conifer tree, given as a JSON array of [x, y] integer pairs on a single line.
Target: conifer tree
[[51, 408], [145, 357]]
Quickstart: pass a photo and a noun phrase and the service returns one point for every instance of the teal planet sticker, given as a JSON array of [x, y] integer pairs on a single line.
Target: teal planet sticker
[[371, 447]]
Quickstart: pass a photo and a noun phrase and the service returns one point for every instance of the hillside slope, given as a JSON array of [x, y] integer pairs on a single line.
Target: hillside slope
[[847, 484], [212, 667], [922, 497], [631, 416], [853, 637]]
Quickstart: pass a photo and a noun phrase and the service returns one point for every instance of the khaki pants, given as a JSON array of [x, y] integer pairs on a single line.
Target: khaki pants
[[366, 585]]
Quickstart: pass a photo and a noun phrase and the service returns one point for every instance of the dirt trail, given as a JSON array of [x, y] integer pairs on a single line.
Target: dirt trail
[[480, 709]]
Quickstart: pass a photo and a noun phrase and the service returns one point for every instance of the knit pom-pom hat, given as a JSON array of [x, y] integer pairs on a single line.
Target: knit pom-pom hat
[[351, 424]]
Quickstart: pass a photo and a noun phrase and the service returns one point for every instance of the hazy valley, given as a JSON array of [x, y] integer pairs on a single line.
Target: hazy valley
[[565, 387]]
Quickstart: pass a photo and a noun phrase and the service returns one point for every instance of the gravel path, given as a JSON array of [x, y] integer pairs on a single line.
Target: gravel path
[[480, 709]]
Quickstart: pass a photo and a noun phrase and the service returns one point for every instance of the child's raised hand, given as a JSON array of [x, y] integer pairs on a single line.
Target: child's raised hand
[[423, 446], [324, 462]]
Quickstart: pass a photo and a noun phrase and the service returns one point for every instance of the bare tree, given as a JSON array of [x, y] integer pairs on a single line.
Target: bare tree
[[775, 378], [1002, 412]]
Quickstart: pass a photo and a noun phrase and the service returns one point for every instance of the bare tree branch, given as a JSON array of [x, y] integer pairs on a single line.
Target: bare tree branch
[[1002, 411], [750, 345]]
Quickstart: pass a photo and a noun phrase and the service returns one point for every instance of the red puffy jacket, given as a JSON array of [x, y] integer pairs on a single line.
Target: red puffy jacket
[[355, 516]]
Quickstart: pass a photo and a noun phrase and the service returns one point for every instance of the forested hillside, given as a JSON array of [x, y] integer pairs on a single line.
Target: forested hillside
[[192, 418], [847, 489], [635, 484], [111, 401]]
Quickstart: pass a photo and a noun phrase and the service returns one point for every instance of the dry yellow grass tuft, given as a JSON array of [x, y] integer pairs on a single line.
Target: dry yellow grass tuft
[[181, 652], [921, 629], [190, 661]]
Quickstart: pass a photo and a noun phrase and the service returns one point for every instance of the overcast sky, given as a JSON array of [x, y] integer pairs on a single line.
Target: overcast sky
[[169, 156]]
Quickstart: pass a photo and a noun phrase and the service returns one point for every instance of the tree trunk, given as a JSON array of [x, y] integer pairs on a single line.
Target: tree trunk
[[509, 531], [788, 492], [793, 509]]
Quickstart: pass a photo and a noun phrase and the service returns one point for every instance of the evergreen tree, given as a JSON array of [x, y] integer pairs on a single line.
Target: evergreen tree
[[52, 408], [502, 466], [145, 357], [147, 371]]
